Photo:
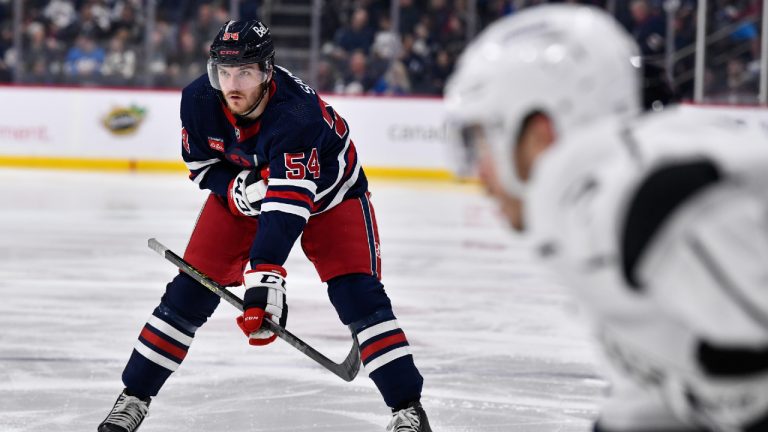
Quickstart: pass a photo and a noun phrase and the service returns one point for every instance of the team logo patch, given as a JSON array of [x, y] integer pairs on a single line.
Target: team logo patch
[[124, 121], [240, 159], [233, 36], [260, 30], [216, 144]]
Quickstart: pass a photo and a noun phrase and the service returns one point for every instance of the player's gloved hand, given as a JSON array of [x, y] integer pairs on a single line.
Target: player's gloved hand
[[264, 299], [246, 191]]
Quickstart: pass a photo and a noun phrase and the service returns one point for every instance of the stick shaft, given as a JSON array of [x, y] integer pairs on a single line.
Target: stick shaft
[[346, 370]]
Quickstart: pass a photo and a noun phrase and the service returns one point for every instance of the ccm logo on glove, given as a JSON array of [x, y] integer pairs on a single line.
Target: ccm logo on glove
[[246, 191]]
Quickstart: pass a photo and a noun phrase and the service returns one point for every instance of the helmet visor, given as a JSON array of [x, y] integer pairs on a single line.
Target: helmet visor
[[469, 145], [239, 78]]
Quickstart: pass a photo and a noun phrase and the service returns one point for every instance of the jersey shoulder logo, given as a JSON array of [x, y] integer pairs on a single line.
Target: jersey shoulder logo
[[185, 139], [216, 143]]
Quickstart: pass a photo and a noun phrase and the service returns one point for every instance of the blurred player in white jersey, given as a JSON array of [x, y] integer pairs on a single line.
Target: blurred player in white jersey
[[659, 222]]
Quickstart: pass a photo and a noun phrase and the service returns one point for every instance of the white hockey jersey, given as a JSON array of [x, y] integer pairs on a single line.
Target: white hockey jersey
[[661, 227]]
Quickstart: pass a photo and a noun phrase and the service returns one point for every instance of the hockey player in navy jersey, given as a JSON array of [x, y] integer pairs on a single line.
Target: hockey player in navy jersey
[[279, 163], [657, 221]]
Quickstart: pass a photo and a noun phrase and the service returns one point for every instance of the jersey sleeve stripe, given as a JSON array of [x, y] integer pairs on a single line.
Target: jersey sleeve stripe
[[288, 195], [302, 212], [340, 175], [351, 158], [196, 165], [197, 178], [289, 202], [304, 184], [345, 188]]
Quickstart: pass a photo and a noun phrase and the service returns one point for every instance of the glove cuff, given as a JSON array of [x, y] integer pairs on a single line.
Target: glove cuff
[[230, 199], [260, 282], [271, 268]]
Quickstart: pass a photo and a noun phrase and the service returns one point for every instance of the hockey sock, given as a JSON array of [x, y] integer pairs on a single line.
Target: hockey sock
[[386, 355], [162, 346]]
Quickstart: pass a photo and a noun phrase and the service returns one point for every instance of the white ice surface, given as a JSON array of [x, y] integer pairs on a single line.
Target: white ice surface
[[501, 347]]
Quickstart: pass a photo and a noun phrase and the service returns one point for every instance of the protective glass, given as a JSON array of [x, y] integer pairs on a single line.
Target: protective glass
[[241, 78]]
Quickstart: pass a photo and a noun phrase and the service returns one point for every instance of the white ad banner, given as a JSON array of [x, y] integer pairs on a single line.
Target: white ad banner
[[90, 123], [144, 125]]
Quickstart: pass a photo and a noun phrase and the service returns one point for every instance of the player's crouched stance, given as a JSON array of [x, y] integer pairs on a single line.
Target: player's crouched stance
[[659, 222], [279, 163]]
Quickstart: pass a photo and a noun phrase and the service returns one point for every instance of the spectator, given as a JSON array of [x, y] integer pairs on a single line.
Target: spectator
[[358, 36], [189, 59], [126, 19], [84, 61], [357, 80], [648, 27], [385, 49], [437, 18], [409, 16], [453, 35], [119, 66], [394, 82], [421, 42], [415, 65], [207, 24], [327, 78], [738, 81], [6, 52], [330, 19], [163, 45], [35, 46], [94, 20], [441, 70], [62, 17]]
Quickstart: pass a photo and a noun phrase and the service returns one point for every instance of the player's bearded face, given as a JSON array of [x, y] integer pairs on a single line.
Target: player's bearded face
[[242, 86]]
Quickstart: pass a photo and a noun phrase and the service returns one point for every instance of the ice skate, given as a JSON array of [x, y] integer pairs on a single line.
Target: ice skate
[[411, 419], [126, 415]]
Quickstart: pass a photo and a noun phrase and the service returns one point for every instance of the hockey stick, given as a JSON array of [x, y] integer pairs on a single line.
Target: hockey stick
[[346, 370]]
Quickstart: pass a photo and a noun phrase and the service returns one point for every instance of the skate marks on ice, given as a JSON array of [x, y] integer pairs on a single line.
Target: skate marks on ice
[[499, 345]]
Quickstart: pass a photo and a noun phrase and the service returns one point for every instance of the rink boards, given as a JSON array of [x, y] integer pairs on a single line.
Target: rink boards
[[139, 130], [133, 129]]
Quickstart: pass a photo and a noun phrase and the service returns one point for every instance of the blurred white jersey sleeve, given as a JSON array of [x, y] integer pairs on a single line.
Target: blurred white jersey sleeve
[[708, 265], [660, 226]]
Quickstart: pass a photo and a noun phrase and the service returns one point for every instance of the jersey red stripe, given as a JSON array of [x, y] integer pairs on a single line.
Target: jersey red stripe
[[296, 196], [351, 153]]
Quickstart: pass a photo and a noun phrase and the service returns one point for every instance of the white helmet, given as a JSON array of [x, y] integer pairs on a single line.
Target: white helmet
[[573, 63]]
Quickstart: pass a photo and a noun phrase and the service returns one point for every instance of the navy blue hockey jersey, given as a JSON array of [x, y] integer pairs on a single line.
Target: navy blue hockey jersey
[[312, 162]]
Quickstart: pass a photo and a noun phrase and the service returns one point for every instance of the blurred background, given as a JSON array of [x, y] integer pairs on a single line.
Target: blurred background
[[371, 47]]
